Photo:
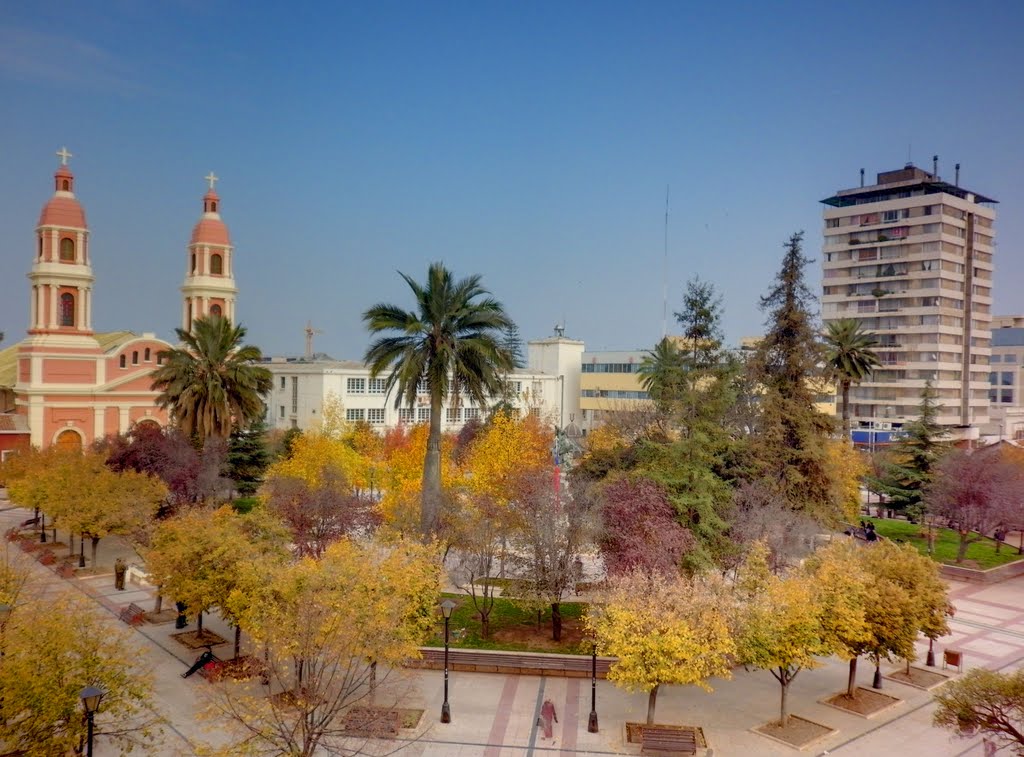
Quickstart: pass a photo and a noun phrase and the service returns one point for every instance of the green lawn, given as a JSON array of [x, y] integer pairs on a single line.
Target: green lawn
[[513, 628], [983, 552]]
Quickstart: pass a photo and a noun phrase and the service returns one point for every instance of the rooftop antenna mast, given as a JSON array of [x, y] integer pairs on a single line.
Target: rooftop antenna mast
[[310, 333], [664, 273]]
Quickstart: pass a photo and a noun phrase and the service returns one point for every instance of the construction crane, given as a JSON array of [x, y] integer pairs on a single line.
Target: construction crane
[[310, 333]]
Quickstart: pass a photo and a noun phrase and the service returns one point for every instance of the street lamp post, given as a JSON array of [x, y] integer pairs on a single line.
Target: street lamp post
[[446, 609], [90, 697], [592, 723], [5, 613]]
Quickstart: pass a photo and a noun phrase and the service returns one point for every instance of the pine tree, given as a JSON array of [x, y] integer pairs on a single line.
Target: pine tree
[[915, 456], [248, 457], [790, 449], [512, 342]]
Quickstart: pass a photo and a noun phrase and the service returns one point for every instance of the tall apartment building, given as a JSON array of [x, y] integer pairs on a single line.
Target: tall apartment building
[[911, 258], [1006, 379]]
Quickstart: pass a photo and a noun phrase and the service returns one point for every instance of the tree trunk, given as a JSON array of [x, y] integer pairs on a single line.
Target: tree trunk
[[373, 682], [652, 699], [485, 624], [961, 549], [851, 681], [71, 542], [95, 544], [238, 640], [556, 621], [199, 622], [846, 408], [159, 600], [431, 498], [783, 712]]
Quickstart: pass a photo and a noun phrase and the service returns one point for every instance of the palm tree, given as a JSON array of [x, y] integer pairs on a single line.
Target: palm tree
[[661, 372], [452, 343], [850, 357], [212, 383]]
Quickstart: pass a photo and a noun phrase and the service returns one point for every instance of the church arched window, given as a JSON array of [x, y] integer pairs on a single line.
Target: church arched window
[[215, 310], [67, 250], [146, 355], [67, 309], [193, 262], [65, 185], [216, 264], [40, 248], [124, 361]]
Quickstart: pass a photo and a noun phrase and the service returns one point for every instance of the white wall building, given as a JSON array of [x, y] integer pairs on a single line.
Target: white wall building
[[548, 388]]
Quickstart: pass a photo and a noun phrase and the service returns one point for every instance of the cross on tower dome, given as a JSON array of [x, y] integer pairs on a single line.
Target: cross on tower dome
[[63, 154], [212, 178]]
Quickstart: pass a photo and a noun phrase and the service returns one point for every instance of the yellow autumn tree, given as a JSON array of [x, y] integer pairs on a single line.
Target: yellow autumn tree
[[780, 624], [841, 592], [55, 647], [846, 468], [312, 454], [507, 448], [323, 625], [664, 631], [402, 480]]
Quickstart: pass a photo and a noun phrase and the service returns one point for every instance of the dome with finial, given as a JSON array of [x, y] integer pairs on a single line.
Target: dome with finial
[[63, 209], [211, 229]]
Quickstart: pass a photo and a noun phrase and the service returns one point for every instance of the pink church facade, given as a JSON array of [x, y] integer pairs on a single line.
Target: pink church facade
[[66, 385]]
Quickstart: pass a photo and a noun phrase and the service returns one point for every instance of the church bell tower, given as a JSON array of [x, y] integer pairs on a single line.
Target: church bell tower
[[209, 287]]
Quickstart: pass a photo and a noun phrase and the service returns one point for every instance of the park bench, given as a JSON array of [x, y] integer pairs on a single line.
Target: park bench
[[668, 742], [368, 721], [522, 663], [132, 614]]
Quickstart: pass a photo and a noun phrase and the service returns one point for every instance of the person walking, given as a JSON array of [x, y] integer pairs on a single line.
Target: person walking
[[547, 715]]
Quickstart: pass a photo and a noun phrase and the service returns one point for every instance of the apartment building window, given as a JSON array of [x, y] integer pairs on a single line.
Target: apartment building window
[[406, 415], [1009, 358], [377, 386], [423, 414], [295, 394], [832, 223], [354, 414], [422, 387], [356, 386], [1006, 378], [471, 413], [535, 412], [375, 415], [1006, 396], [282, 411], [996, 359], [453, 414], [284, 382]]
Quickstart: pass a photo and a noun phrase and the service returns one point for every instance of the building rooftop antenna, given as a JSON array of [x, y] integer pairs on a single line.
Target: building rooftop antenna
[[664, 273]]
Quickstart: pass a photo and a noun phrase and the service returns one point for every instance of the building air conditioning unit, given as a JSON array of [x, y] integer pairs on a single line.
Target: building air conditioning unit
[[883, 426]]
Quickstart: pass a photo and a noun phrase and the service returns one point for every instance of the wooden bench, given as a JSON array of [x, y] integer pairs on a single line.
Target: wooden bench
[[132, 614], [523, 663], [368, 721], [668, 742]]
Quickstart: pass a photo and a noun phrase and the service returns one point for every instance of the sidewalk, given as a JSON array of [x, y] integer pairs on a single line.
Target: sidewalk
[[495, 715]]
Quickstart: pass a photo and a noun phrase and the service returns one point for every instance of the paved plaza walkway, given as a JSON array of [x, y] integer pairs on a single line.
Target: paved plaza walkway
[[495, 715]]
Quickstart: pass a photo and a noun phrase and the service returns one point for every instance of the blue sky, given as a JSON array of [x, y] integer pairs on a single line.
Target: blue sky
[[529, 142]]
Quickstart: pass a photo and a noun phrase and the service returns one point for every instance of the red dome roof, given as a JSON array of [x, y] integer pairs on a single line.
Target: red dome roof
[[210, 231], [63, 211]]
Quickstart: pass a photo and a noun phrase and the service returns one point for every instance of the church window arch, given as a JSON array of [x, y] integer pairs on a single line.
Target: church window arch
[[213, 206], [216, 264], [135, 357], [146, 355], [216, 310], [67, 309], [40, 248], [124, 361], [67, 250], [65, 185], [193, 262]]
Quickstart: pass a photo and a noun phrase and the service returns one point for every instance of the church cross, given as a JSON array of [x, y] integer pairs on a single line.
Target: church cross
[[212, 178], [63, 154]]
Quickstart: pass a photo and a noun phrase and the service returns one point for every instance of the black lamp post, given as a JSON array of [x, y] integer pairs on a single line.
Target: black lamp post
[[446, 609], [592, 723], [90, 697], [5, 613]]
